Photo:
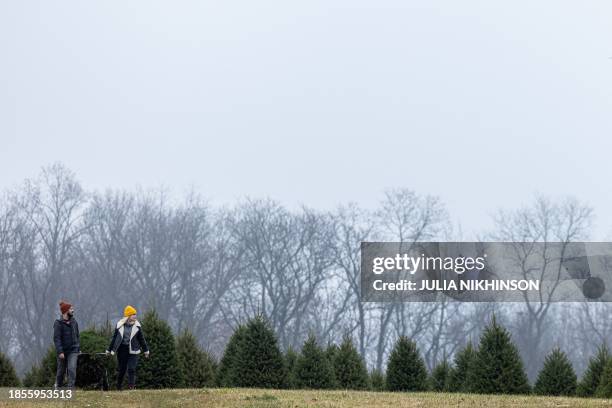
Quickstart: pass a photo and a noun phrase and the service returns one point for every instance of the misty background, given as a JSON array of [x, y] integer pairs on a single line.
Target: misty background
[[315, 103], [480, 106]]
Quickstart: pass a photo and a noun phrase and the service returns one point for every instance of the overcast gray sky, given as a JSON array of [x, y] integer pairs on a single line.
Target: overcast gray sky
[[316, 102]]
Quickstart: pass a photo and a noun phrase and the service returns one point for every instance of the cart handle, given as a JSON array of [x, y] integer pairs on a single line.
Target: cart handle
[[92, 354]]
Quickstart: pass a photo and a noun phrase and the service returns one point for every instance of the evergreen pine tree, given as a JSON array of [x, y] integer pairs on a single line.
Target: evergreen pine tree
[[349, 368], [440, 377], [226, 372], [260, 363], [290, 360], [313, 369], [194, 362], [90, 367], [8, 377], [31, 377], [406, 370], [498, 368], [331, 351], [557, 376], [590, 380], [162, 369], [377, 380], [461, 370], [46, 371], [604, 389]]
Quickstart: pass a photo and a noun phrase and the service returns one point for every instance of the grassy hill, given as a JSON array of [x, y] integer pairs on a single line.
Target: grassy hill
[[257, 398]]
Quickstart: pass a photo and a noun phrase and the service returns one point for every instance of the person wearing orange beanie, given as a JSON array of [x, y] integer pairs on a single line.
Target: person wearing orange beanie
[[66, 339], [128, 341]]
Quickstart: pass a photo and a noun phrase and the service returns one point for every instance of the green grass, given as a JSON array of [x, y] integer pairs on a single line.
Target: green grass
[[257, 398]]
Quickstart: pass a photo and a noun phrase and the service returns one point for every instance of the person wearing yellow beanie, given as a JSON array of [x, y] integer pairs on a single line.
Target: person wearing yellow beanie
[[128, 341], [129, 311]]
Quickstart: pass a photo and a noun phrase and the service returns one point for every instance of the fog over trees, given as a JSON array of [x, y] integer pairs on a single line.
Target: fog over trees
[[210, 268]]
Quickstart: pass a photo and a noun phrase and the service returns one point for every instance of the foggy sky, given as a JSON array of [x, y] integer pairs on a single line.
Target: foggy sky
[[317, 102]]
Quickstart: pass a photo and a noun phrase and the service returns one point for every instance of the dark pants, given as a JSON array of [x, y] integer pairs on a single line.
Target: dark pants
[[68, 363], [127, 362]]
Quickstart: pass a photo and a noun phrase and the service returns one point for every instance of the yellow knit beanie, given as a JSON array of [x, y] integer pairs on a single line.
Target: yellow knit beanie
[[128, 311]]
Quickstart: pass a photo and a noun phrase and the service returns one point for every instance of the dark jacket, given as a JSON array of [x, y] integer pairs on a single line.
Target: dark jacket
[[137, 340], [66, 336]]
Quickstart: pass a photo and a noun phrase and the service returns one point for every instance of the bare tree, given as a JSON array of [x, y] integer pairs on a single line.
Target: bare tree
[[50, 210], [105, 278], [543, 222], [353, 226], [10, 247], [407, 218], [288, 257], [220, 266]]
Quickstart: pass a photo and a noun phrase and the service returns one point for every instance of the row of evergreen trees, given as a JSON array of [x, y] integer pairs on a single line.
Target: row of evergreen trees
[[495, 367], [174, 363], [252, 358]]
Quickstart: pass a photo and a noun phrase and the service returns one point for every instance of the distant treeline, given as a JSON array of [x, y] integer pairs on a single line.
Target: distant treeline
[[207, 268]]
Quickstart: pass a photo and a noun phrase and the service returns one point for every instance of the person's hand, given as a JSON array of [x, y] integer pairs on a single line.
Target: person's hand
[[146, 354], [61, 356]]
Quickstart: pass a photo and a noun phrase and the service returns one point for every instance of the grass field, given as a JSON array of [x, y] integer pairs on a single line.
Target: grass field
[[257, 398]]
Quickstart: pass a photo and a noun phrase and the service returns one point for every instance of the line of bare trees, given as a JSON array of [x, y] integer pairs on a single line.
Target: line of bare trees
[[207, 269]]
